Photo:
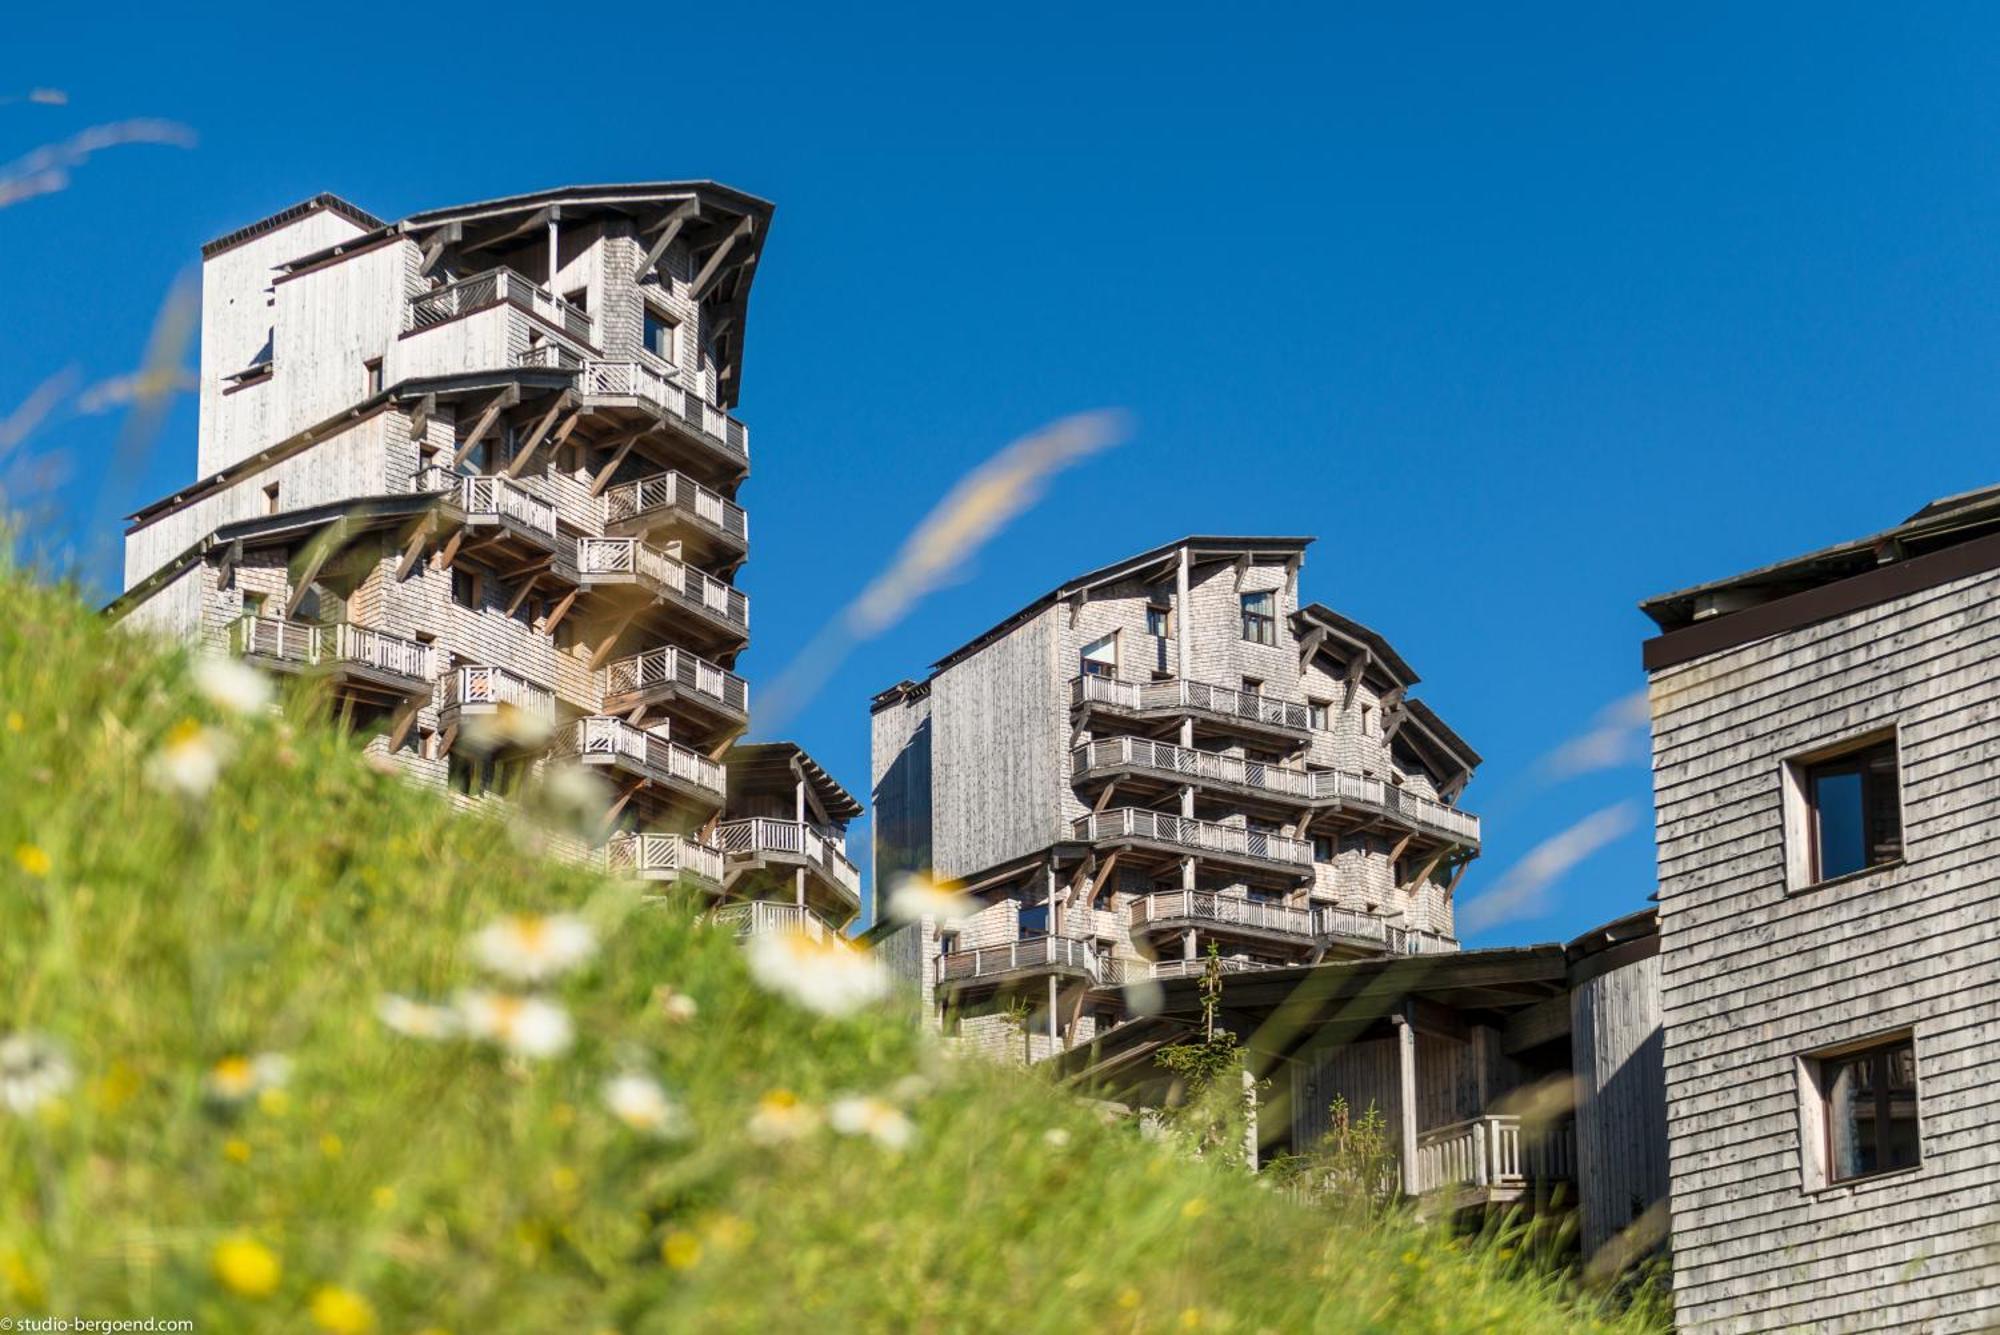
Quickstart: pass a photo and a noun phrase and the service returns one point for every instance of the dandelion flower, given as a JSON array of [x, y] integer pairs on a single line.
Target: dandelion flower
[[864, 1115], [34, 1072], [231, 684], [781, 1117], [531, 948], [681, 1250], [525, 1026], [190, 760], [641, 1103], [236, 1150], [416, 1019], [916, 897], [236, 1078], [32, 859], [829, 977], [246, 1266], [341, 1311]]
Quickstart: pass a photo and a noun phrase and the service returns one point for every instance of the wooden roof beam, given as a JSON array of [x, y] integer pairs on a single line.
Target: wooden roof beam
[[670, 228], [439, 241], [603, 478], [711, 271], [499, 403], [534, 442]]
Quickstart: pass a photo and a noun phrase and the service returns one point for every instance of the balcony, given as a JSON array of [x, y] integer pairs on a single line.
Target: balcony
[[470, 691], [1163, 970], [703, 521], [493, 288], [720, 610], [1021, 959], [612, 742], [1348, 927], [673, 676], [1492, 1159], [1114, 757], [365, 660], [499, 509], [634, 382], [1162, 831], [1220, 707], [664, 857], [762, 917], [760, 841], [1338, 790], [1205, 908]]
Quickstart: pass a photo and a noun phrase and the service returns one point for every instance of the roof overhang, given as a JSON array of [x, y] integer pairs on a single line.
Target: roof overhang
[[1347, 637], [776, 766]]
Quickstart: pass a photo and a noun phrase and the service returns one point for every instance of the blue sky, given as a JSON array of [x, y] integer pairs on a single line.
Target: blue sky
[[1526, 316]]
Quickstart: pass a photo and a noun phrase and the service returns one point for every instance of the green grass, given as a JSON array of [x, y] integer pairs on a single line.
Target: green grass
[[444, 1185]]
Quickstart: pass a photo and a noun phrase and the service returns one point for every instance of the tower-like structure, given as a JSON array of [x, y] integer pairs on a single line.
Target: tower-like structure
[[480, 463], [1165, 753]]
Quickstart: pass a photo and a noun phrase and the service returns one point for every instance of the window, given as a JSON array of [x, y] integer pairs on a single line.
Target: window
[[271, 499], [1260, 617], [1034, 921], [662, 336], [1253, 686], [1322, 848], [465, 588], [253, 604], [1367, 720], [1160, 614], [371, 371], [947, 943], [1844, 811], [1866, 1108], [1317, 715], [578, 297], [1100, 657]]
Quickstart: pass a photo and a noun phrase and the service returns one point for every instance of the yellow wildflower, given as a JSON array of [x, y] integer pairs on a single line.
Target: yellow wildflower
[[384, 1198], [246, 1266], [342, 1311], [32, 859], [1194, 1208], [19, 1280], [330, 1145], [1128, 1298], [15, 723], [726, 1232], [681, 1250], [1191, 1318], [236, 1149], [118, 1086]]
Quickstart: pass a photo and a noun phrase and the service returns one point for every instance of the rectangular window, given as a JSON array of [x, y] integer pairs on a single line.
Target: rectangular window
[[1253, 686], [947, 943], [1322, 848], [1317, 715], [1034, 921], [1868, 1109], [372, 374], [1260, 617], [465, 588], [271, 499], [662, 336], [1159, 620], [1843, 811], [1100, 657], [253, 604]]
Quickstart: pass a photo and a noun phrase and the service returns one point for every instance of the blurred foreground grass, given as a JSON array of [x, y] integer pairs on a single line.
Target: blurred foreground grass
[[205, 1116]]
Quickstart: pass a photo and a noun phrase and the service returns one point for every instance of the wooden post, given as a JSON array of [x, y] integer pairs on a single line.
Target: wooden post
[[1406, 1073], [1052, 1012], [1187, 944], [1182, 635]]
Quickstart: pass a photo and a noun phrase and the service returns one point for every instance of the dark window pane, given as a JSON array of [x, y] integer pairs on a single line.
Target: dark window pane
[[1843, 841], [1871, 1112]]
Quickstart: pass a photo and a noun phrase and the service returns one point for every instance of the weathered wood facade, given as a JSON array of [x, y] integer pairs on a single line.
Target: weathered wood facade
[[478, 466], [1163, 753], [1803, 1196]]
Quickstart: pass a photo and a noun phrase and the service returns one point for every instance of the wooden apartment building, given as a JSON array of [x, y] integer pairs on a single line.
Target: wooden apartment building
[[1161, 754], [480, 463], [1826, 763]]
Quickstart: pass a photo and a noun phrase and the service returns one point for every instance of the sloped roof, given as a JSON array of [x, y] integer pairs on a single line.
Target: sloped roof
[[323, 201], [767, 766]]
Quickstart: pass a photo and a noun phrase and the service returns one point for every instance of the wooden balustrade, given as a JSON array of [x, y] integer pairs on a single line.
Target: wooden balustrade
[[759, 836], [491, 288], [489, 495], [308, 644], [662, 857], [638, 380], [760, 917], [692, 587], [1198, 836], [1189, 765], [653, 669], [601, 739], [1492, 1151], [671, 490]]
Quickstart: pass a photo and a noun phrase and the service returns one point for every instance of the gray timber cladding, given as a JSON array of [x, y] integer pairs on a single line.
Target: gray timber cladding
[[1756, 978], [1621, 1105], [998, 733]]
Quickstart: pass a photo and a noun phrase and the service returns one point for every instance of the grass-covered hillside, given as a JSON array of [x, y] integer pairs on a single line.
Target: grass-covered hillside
[[259, 1068]]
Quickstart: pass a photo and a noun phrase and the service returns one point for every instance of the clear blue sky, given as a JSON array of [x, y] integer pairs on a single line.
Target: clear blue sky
[[1526, 316]]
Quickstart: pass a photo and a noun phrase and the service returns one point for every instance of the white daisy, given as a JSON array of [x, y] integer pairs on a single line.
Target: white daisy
[[236, 1078], [508, 727], [781, 1117], [830, 977], [190, 760], [679, 1006], [1056, 1138], [641, 1103], [417, 1019], [866, 1115], [232, 684], [916, 897], [531, 948], [34, 1070], [525, 1026]]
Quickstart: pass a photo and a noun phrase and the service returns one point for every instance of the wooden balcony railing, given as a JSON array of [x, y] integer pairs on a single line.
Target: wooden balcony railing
[[602, 739], [1228, 910], [308, 645], [692, 587], [1189, 765], [487, 494], [1014, 957], [760, 917], [762, 835], [1491, 1151], [673, 491], [1198, 836], [1194, 696], [491, 288], [661, 856], [1194, 968], [491, 687], [601, 379], [652, 669]]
